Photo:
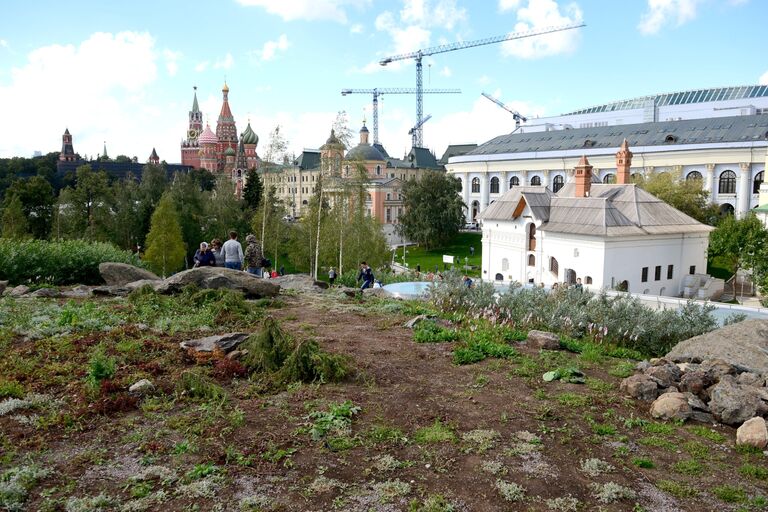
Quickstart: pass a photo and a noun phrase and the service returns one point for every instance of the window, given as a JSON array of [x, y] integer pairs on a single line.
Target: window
[[692, 270], [557, 183], [644, 277], [461, 185], [535, 181], [514, 181], [609, 178], [378, 170], [499, 277], [389, 214], [757, 182], [726, 209], [531, 260], [727, 183], [670, 271], [531, 237], [694, 175], [494, 185], [554, 267], [657, 273], [475, 185], [504, 264], [389, 196], [587, 280]]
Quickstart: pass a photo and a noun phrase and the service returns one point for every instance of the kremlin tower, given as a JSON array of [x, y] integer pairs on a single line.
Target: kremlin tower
[[190, 147]]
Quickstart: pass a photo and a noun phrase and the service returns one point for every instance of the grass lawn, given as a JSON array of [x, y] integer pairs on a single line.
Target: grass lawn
[[720, 267], [458, 247]]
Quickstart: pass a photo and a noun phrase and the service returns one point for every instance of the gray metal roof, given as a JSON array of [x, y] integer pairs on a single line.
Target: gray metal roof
[[456, 150], [680, 98], [669, 133], [610, 210]]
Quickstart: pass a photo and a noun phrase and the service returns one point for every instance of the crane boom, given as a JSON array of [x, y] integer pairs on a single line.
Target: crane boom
[[413, 131], [443, 48], [392, 90], [515, 114]]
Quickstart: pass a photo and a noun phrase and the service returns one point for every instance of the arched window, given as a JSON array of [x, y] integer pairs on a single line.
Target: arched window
[[587, 280], [554, 267], [609, 178], [694, 175], [726, 209], [304, 202], [461, 184], [504, 264], [499, 277], [475, 210], [727, 183], [535, 181], [475, 185], [557, 183], [494, 185], [531, 260], [378, 170], [514, 181], [531, 237], [757, 182]]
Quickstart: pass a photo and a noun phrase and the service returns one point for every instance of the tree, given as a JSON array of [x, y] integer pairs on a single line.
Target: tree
[[276, 147], [37, 199], [165, 245], [190, 205], [341, 128], [13, 219], [268, 225], [743, 243], [433, 209], [252, 190], [126, 229], [223, 211], [84, 210], [688, 196]]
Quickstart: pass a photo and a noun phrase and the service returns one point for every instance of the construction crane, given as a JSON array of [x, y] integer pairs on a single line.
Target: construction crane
[[380, 92], [413, 131], [418, 54], [515, 114]]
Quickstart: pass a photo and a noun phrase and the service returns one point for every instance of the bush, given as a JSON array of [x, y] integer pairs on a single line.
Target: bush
[[100, 367], [428, 331], [58, 263]]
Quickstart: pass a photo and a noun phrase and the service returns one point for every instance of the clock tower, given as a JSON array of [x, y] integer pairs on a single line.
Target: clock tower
[[190, 146]]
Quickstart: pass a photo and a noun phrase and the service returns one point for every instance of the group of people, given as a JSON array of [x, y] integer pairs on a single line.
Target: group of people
[[230, 254]]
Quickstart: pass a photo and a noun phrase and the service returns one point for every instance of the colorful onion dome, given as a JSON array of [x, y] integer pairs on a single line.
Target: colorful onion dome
[[229, 151], [249, 136], [208, 137]]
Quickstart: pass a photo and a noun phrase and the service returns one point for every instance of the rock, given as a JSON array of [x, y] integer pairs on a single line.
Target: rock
[[3, 286], [671, 406], [716, 368], [642, 366], [750, 379], [113, 291], [732, 403], [703, 417], [640, 386], [78, 292], [695, 382], [299, 282], [218, 277], [135, 285], [375, 292], [660, 361], [48, 293], [543, 340], [18, 291], [349, 292], [119, 274], [696, 403], [223, 342], [321, 284], [743, 343], [410, 324], [665, 376], [752, 433], [142, 387], [236, 354]]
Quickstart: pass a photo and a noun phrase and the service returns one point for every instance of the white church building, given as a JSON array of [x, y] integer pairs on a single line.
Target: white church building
[[608, 235]]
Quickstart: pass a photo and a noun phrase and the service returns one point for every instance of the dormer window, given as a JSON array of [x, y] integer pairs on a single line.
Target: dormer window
[[589, 143], [670, 139], [378, 170]]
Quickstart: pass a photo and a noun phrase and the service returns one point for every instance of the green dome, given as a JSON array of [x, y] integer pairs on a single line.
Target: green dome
[[249, 136], [229, 152]]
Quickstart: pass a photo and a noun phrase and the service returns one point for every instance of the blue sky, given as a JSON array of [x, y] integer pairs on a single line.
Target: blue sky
[[122, 72]]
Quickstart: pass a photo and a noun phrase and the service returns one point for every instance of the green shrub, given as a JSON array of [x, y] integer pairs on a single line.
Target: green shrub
[[100, 367], [196, 385], [643, 463], [428, 331], [730, 493], [58, 263], [435, 433], [11, 389], [337, 419]]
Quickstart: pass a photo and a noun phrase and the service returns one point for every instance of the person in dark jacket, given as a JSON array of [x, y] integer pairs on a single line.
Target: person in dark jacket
[[203, 257], [366, 275], [253, 256]]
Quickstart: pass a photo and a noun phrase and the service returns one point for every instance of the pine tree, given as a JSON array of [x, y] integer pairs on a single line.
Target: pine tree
[[14, 221], [165, 244], [252, 191]]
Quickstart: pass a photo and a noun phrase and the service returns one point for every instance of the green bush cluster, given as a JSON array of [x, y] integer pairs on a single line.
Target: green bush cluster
[[428, 331], [58, 263], [482, 344]]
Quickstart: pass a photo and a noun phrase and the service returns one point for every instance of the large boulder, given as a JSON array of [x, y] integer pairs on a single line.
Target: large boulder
[[300, 282], [543, 340], [695, 381], [742, 344], [218, 277], [671, 406], [221, 343], [3, 286], [666, 376], [640, 386], [119, 274], [732, 403], [753, 433]]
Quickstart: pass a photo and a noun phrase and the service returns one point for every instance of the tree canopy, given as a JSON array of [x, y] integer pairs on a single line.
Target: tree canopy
[[742, 242], [434, 210], [165, 244], [688, 196]]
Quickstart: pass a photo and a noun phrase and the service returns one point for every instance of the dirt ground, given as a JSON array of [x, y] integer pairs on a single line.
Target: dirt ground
[[505, 426]]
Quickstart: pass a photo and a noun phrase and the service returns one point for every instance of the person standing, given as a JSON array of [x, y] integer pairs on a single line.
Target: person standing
[[366, 275], [331, 276], [233, 252], [216, 252], [253, 256], [204, 257], [471, 250]]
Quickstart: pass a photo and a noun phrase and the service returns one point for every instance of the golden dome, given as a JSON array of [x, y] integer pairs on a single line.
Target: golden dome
[[225, 88]]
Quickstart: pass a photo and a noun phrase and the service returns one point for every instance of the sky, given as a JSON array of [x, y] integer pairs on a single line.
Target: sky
[[123, 72]]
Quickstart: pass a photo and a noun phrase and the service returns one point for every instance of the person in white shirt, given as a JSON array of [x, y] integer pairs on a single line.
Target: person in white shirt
[[233, 252]]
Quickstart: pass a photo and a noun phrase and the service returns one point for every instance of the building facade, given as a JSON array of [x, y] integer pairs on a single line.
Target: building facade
[[607, 235]]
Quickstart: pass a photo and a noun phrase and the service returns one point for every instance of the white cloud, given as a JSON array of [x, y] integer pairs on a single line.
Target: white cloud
[[3, 43], [484, 80], [538, 14], [226, 63], [171, 61], [270, 48], [290, 10], [764, 78], [508, 5], [446, 72], [357, 28], [118, 104], [663, 12], [202, 66]]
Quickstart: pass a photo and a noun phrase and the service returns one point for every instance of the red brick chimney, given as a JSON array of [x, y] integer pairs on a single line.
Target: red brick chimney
[[583, 173], [623, 163]]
